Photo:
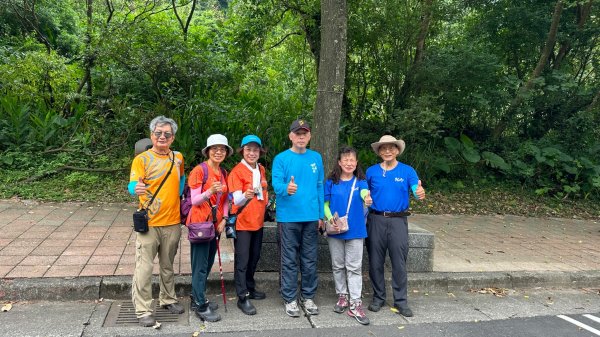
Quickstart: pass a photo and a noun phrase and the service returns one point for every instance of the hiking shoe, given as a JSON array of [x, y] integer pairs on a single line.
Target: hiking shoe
[[256, 295], [213, 306], [246, 306], [310, 306], [375, 306], [206, 314], [404, 311], [341, 304], [174, 308], [291, 308], [356, 310], [147, 320]]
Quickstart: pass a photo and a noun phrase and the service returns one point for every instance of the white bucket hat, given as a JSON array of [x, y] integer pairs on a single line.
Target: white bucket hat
[[217, 139], [387, 139]]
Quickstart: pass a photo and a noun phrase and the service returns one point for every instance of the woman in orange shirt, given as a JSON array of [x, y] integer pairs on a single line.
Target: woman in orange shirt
[[204, 196], [248, 185]]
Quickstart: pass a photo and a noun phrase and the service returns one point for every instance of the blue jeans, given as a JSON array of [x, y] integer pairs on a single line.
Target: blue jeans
[[298, 242], [203, 258]]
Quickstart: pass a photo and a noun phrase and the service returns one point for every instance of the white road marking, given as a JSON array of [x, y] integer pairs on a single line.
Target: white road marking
[[592, 317], [579, 324]]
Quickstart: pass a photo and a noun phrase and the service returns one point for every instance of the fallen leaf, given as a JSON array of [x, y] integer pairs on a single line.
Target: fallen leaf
[[6, 307], [498, 292], [394, 310], [401, 327], [195, 334], [156, 325], [451, 295]]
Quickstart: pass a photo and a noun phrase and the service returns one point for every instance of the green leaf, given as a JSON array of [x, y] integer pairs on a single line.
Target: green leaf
[[467, 142], [452, 144], [471, 155], [441, 164], [495, 160]]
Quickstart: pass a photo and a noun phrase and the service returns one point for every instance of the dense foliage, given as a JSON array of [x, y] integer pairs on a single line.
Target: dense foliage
[[479, 90]]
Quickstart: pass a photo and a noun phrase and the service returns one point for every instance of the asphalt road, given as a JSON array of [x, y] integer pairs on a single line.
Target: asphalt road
[[525, 312]]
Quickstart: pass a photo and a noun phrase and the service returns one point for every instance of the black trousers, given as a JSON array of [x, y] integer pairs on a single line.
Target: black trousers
[[247, 253], [388, 235]]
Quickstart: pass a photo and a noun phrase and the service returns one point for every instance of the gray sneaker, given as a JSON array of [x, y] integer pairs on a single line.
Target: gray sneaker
[[311, 307], [292, 309]]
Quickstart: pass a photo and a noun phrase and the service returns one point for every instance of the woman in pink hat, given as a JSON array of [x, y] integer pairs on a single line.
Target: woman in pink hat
[[391, 183]]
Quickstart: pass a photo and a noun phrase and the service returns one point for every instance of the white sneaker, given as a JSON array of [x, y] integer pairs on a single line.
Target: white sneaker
[[311, 307], [292, 309]]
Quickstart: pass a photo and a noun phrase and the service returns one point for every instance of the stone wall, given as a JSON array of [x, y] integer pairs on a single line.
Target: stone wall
[[420, 253]]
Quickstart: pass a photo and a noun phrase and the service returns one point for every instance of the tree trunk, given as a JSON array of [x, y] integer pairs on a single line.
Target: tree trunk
[[330, 83], [402, 97], [543, 60], [583, 13]]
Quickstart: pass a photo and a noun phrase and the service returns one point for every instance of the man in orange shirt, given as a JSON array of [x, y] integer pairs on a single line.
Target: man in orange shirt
[[148, 171], [248, 184]]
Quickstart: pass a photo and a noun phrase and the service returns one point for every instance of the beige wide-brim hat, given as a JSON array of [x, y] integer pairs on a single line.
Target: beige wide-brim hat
[[387, 139], [217, 139]]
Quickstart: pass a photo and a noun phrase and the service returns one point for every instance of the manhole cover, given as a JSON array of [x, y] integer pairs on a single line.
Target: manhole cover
[[122, 313]]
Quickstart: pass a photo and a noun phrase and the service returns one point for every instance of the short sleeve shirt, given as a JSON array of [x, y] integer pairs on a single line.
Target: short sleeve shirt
[[253, 215], [338, 195], [202, 212], [153, 167]]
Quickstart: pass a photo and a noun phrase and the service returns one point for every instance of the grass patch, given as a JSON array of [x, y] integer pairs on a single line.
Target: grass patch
[[469, 200], [67, 186]]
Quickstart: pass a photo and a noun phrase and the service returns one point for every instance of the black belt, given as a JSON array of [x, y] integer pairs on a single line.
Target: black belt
[[391, 214]]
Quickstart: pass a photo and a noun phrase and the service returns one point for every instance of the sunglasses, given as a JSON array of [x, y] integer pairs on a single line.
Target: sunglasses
[[167, 134]]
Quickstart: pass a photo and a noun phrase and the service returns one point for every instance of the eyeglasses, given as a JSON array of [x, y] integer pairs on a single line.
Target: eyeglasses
[[218, 149], [167, 134]]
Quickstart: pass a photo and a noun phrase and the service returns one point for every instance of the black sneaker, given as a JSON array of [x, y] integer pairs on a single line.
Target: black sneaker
[[404, 311], [256, 295], [375, 306], [174, 308]]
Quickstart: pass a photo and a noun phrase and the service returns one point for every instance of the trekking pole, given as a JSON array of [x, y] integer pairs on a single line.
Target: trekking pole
[[221, 272]]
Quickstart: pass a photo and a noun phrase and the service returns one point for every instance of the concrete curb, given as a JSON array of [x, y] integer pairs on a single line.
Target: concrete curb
[[119, 287]]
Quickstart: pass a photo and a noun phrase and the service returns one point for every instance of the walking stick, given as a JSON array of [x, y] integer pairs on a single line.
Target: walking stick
[[221, 272]]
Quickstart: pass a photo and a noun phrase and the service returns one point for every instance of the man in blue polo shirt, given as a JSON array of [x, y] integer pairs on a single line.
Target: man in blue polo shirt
[[390, 183], [297, 178]]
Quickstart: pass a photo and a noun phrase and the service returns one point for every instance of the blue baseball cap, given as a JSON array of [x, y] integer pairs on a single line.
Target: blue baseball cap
[[251, 139]]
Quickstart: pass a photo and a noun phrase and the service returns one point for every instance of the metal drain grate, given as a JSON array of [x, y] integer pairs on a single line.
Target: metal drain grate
[[122, 313]]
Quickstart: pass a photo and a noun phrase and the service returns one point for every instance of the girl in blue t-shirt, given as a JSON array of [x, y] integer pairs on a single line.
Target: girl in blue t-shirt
[[347, 194]]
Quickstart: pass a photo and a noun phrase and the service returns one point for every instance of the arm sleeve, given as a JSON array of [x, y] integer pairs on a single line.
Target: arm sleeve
[[278, 177], [198, 197], [328, 214], [363, 193], [131, 187], [364, 189], [195, 183], [181, 184], [413, 180], [238, 198], [414, 190]]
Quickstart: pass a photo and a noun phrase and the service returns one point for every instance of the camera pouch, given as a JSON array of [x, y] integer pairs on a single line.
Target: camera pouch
[[140, 221], [230, 232]]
